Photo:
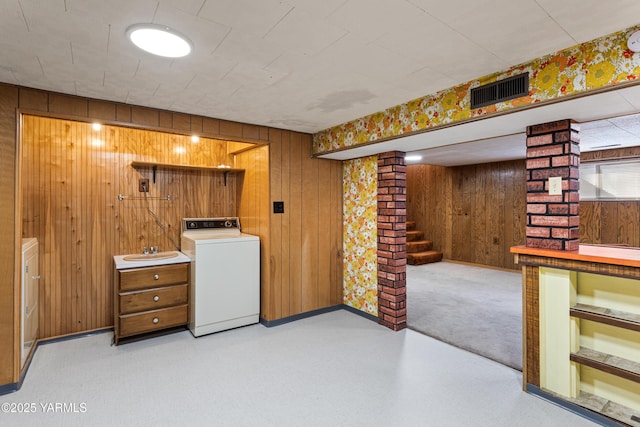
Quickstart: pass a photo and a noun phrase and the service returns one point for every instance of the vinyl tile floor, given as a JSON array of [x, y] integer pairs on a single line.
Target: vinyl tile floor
[[334, 369]]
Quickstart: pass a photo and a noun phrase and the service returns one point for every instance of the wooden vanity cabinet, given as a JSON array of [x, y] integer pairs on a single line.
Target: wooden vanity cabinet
[[149, 299]]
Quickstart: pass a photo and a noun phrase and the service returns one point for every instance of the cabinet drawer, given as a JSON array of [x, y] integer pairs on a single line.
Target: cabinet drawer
[[132, 324], [152, 299], [153, 277]]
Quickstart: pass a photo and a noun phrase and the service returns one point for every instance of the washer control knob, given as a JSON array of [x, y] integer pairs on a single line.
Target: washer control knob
[[156, 298], [155, 320], [156, 276]]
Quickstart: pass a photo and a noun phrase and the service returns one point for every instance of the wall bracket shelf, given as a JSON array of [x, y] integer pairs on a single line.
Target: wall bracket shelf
[[154, 166]]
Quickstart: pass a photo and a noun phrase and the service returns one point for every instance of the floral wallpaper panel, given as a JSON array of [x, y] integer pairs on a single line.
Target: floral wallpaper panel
[[360, 228]]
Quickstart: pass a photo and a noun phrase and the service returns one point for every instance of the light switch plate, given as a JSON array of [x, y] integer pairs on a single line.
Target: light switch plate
[[555, 186]]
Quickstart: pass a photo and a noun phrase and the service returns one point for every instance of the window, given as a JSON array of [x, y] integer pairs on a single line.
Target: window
[[610, 180]]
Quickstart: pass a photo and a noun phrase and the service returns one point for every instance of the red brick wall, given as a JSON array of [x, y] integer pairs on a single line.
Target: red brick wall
[[392, 240], [553, 151]]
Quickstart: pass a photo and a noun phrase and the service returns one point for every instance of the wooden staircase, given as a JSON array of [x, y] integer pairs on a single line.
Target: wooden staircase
[[419, 250]]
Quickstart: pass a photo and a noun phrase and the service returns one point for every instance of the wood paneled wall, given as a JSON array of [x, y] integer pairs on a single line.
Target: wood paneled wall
[[253, 208], [54, 104], [610, 222], [71, 179], [472, 213], [476, 213], [306, 241]]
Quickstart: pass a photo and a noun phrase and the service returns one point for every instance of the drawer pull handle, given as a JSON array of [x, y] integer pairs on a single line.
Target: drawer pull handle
[[155, 320], [156, 276], [156, 298]]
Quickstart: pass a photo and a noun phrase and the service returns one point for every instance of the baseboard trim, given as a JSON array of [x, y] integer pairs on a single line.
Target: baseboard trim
[[473, 264], [572, 407], [61, 338], [289, 319], [360, 313], [9, 388]]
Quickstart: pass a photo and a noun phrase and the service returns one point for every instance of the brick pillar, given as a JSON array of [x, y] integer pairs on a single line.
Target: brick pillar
[[553, 150], [392, 240]]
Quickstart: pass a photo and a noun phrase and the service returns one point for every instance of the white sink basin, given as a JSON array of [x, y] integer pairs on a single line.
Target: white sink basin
[[146, 257]]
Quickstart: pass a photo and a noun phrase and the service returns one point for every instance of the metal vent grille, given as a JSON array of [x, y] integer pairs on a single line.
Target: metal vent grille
[[503, 90]]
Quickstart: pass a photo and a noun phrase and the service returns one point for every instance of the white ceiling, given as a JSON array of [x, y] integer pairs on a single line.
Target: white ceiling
[[303, 65]]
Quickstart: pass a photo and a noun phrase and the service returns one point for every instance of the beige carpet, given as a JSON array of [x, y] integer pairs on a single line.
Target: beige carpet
[[473, 308]]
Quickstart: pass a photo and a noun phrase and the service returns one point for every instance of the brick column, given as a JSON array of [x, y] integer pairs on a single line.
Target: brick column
[[392, 240], [553, 150]]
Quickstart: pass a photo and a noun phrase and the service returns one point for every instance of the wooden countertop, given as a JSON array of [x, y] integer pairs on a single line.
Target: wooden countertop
[[603, 254]]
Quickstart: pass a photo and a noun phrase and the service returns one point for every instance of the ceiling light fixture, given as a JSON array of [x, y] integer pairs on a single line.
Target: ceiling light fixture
[[159, 40], [633, 42], [195, 138], [413, 158], [96, 126]]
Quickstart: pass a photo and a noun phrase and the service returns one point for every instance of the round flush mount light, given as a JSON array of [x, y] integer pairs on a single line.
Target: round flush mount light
[[159, 40], [633, 42]]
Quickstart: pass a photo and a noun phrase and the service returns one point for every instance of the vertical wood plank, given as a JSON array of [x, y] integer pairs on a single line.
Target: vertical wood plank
[[337, 272], [484, 187], [324, 233], [275, 178], [297, 151], [288, 138], [609, 224], [310, 231], [629, 222]]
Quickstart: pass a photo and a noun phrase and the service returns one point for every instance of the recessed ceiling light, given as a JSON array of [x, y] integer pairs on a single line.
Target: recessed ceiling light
[[413, 158], [159, 40]]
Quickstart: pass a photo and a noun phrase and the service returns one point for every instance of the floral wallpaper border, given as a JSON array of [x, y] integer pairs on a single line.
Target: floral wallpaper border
[[360, 233], [597, 64]]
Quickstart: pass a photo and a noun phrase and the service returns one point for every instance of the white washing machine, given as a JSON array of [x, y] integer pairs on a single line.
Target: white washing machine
[[225, 274]]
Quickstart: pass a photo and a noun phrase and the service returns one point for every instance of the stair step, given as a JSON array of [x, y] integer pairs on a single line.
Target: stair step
[[411, 225], [419, 246], [426, 257], [414, 235]]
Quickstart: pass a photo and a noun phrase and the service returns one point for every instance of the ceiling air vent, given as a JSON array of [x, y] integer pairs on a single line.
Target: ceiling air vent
[[502, 90]]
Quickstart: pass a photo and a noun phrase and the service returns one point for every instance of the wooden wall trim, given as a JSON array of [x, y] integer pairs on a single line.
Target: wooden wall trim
[[531, 326], [9, 245], [612, 154], [144, 122]]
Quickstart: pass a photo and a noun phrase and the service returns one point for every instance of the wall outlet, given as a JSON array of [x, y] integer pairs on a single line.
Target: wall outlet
[[555, 186], [143, 185]]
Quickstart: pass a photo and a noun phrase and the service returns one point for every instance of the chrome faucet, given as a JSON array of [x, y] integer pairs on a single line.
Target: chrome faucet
[[145, 251], [154, 249]]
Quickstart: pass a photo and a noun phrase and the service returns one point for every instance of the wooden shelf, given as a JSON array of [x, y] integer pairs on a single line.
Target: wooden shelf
[[154, 166], [171, 166], [620, 319], [604, 406], [614, 365]]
